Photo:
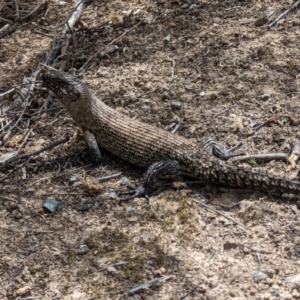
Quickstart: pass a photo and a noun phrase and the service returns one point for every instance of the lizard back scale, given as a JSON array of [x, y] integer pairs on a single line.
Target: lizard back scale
[[162, 152]]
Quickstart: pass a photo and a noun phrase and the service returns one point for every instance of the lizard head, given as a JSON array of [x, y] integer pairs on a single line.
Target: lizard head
[[67, 88]]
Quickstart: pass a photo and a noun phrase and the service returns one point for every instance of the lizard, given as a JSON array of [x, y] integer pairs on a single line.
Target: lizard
[[163, 153]]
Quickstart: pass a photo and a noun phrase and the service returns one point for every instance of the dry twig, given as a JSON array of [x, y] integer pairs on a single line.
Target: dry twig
[[219, 213], [27, 155], [42, 6], [146, 285], [283, 14], [263, 157]]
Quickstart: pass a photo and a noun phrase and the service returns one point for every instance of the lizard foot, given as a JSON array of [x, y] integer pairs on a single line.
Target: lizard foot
[[167, 168], [134, 192], [218, 150]]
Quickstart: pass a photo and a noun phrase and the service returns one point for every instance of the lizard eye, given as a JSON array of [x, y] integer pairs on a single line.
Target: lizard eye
[[77, 96]]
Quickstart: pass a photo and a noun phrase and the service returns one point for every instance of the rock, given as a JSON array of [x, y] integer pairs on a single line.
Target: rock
[[261, 20], [76, 295], [51, 205], [112, 270], [123, 181], [176, 104], [230, 244], [293, 281], [113, 195], [131, 209], [265, 97], [72, 179], [262, 274], [246, 250], [23, 291], [82, 206]]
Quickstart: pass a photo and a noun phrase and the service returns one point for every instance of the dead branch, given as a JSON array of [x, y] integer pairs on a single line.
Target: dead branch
[[283, 14], [219, 213], [269, 122], [69, 23], [27, 18], [190, 292], [146, 285], [29, 82], [7, 92], [109, 49], [74, 17], [263, 157], [27, 155]]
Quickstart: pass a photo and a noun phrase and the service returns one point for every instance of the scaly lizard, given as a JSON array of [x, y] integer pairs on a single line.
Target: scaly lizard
[[163, 153]]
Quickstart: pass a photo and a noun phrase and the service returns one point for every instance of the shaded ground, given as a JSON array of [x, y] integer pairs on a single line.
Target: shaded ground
[[215, 60]]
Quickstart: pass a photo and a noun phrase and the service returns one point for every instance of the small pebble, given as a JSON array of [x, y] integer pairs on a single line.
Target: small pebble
[[82, 206], [259, 276], [131, 209], [168, 38], [277, 239], [297, 251], [275, 293], [202, 94], [165, 95], [23, 291], [287, 296], [230, 244], [269, 281], [112, 270], [218, 60], [295, 294], [176, 104], [112, 195], [265, 97], [246, 250], [72, 179], [261, 21], [293, 281], [263, 274], [123, 181], [143, 236], [51, 205], [253, 124]]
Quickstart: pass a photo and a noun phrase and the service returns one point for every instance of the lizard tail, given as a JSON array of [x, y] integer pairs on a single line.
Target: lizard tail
[[221, 174]]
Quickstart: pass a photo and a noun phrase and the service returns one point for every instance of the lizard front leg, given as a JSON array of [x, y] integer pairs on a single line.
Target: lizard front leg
[[92, 146], [161, 169]]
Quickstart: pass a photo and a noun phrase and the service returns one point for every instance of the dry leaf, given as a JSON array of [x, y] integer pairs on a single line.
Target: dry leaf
[[92, 185]]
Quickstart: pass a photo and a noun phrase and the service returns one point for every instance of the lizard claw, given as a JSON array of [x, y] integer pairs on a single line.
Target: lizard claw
[[134, 192]]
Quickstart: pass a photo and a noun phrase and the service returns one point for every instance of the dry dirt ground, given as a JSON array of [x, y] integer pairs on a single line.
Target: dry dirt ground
[[230, 73]]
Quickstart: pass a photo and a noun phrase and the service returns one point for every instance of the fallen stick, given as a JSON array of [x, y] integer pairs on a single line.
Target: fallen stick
[[146, 285], [26, 155], [29, 17], [219, 213], [29, 82], [284, 13], [265, 157]]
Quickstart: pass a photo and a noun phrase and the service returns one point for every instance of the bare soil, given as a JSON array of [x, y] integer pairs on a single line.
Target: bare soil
[[230, 73]]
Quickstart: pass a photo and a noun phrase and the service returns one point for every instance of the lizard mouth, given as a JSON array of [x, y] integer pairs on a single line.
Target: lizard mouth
[[48, 80], [62, 88]]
